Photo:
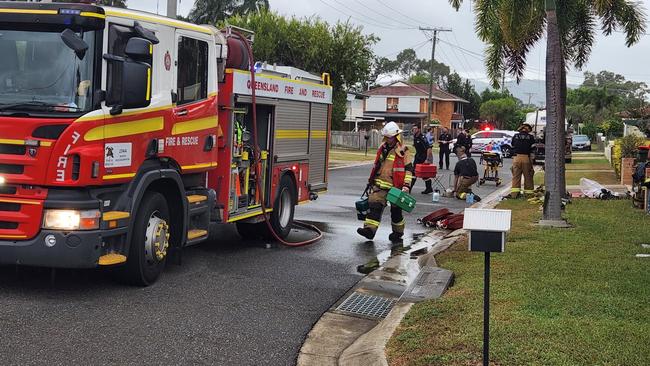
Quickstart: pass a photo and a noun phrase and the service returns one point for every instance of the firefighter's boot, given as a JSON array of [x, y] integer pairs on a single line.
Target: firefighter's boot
[[429, 188], [366, 232], [397, 224]]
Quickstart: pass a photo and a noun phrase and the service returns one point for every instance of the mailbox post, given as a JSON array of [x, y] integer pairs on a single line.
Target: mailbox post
[[487, 233]]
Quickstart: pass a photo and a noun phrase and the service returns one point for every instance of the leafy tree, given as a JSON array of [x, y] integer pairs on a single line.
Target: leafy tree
[[380, 66], [215, 11], [503, 112], [465, 90], [316, 46], [512, 27]]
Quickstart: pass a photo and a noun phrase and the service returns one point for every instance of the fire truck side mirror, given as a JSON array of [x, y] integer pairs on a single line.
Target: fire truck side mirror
[[136, 82], [134, 89]]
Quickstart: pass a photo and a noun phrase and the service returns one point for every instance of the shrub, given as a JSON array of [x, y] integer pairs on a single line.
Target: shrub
[[630, 146]]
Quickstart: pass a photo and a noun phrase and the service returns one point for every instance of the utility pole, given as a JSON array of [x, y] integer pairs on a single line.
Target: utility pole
[[433, 56], [530, 96], [171, 9]]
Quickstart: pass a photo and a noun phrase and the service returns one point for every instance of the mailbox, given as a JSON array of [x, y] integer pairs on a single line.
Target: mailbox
[[487, 229]]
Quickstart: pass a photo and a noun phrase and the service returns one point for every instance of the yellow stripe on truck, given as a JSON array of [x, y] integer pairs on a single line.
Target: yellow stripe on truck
[[118, 176], [194, 125], [291, 134], [318, 134], [113, 130], [29, 11]]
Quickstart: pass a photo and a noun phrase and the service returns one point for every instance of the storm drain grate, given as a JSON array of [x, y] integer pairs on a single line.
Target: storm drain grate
[[367, 305]]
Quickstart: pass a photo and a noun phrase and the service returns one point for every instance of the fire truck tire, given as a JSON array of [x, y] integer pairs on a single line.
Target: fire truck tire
[[283, 209], [250, 231], [149, 241]]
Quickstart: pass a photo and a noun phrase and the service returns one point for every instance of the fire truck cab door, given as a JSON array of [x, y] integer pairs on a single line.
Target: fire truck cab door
[[195, 109]]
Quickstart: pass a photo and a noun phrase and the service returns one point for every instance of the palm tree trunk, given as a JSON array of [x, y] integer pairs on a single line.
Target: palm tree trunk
[[554, 144]]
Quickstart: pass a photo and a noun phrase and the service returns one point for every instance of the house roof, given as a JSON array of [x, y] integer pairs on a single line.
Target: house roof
[[402, 89]]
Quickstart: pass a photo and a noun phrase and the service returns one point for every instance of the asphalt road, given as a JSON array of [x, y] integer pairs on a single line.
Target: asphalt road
[[230, 303]]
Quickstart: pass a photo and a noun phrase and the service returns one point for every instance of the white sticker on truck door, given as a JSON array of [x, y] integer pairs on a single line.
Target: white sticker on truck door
[[117, 155]]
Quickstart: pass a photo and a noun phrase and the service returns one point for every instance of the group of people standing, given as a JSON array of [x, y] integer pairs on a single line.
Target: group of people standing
[[393, 169]]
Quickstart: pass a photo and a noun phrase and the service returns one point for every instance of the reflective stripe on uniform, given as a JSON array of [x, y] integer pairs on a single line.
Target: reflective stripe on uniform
[[408, 176], [526, 191], [515, 190], [398, 169], [371, 222], [462, 195], [383, 184], [403, 222], [390, 157]]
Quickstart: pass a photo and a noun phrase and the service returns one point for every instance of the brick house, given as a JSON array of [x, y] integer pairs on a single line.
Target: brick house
[[406, 104]]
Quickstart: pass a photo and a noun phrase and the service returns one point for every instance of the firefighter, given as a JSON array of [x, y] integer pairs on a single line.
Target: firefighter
[[392, 169], [422, 151], [465, 174], [522, 164]]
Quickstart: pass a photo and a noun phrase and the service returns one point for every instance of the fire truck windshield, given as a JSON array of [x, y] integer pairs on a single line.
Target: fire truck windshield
[[40, 73]]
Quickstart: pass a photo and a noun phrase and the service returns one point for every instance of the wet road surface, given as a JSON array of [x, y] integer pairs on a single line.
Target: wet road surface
[[231, 302]]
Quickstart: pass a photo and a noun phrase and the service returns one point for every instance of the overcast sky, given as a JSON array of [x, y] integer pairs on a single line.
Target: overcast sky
[[396, 23]]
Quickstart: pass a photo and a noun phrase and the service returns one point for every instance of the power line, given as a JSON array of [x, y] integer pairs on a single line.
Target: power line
[[383, 15], [467, 66], [358, 19], [400, 13], [433, 57], [416, 47]]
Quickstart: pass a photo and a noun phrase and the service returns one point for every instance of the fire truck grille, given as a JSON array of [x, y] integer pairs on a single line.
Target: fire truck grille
[[367, 305], [11, 169], [13, 149], [8, 225], [12, 207]]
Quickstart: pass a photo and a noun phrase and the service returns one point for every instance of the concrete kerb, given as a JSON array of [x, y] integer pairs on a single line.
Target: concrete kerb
[[342, 339]]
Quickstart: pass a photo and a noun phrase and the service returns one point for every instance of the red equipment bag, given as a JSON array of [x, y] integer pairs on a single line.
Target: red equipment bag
[[426, 171], [453, 222], [431, 220]]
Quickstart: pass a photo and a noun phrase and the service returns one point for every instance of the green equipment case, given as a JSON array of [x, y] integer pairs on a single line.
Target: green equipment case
[[401, 199]]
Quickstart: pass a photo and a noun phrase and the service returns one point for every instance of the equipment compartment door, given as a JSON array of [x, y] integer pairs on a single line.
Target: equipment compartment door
[[318, 142]]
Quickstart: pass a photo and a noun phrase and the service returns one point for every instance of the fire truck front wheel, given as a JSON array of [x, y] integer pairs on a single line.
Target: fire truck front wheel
[[284, 208], [149, 241]]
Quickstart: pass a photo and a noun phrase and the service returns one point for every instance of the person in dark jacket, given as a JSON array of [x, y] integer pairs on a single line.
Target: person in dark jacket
[[522, 163], [422, 151], [464, 140], [466, 174], [443, 142]]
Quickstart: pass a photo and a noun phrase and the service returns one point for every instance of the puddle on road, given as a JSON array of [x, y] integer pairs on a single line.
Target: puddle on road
[[405, 252]]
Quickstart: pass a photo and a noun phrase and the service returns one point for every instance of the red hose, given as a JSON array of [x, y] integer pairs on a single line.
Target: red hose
[[258, 162]]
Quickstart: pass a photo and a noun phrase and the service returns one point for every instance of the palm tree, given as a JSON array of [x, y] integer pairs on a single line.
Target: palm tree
[[511, 28], [214, 11]]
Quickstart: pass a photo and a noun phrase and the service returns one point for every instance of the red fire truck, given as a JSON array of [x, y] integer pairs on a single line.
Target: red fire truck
[[124, 135]]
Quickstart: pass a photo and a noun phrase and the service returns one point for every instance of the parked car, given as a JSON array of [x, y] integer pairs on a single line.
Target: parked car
[[503, 137], [540, 151], [581, 142]]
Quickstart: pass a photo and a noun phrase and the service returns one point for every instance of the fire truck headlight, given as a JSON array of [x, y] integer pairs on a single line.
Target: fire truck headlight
[[71, 219], [2, 180]]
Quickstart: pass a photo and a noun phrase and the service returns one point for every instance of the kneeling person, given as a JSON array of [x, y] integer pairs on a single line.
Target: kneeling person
[[392, 168], [465, 172]]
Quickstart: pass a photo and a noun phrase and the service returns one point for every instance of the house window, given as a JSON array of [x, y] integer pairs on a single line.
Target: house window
[[424, 107], [458, 108], [392, 104]]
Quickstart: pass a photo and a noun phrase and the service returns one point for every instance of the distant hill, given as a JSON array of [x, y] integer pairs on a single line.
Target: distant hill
[[520, 90]]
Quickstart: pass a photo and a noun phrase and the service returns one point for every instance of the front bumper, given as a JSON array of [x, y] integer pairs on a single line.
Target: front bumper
[[77, 249]]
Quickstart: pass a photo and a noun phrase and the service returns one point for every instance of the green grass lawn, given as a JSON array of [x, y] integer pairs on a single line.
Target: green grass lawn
[[351, 156], [573, 177], [558, 296], [589, 164]]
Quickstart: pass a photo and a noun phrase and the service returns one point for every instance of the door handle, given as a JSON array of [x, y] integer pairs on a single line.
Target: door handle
[[182, 112]]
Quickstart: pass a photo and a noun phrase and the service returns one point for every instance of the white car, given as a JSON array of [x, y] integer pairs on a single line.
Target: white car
[[501, 137]]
